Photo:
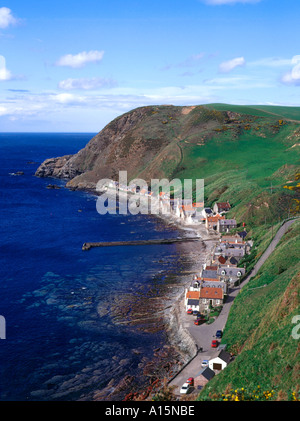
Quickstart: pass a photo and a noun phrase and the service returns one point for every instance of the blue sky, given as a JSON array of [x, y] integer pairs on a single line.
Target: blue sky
[[73, 66]]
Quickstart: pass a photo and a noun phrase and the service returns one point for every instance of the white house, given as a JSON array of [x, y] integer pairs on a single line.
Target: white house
[[192, 300], [220, 361]]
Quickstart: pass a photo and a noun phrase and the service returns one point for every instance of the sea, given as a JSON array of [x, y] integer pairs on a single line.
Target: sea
[[69, 314]]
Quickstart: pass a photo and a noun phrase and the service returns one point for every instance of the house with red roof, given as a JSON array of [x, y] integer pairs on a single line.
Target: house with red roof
[[211, 297], [221, 207], [211, 222], [192, 300]]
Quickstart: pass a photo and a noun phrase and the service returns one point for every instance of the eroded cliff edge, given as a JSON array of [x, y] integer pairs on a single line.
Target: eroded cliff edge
[[131, 142], [146, 142]]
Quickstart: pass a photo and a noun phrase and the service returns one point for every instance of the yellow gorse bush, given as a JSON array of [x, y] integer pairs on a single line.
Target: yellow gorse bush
[[257, 394]]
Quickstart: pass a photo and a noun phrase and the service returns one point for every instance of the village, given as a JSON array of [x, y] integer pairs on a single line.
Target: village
[[209, 289], [207, 293]]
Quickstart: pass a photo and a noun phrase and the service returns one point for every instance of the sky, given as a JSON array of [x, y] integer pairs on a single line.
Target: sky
[[73, 66]]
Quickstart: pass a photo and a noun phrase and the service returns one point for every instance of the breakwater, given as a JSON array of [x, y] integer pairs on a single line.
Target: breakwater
[[88, 246]]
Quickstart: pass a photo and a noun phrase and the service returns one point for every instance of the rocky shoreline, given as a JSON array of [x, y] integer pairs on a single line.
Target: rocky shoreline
[[161, 314], [166, 316]]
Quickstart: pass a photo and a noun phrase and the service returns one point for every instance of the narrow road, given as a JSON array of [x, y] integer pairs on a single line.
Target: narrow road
[[204, 334], [282, 230]]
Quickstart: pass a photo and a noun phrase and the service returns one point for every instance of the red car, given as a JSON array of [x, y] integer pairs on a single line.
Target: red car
[[214, 344], [190, 311], [190, 381]]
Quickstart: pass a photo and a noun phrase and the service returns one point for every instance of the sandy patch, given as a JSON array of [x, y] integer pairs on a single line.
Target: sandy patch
[[187, 110]]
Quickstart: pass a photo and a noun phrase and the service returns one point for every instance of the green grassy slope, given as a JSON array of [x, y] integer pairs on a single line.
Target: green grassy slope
[[259, 329], [281, 112], [247, 161]]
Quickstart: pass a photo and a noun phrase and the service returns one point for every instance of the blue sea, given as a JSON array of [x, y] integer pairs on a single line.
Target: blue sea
[[74, 319]]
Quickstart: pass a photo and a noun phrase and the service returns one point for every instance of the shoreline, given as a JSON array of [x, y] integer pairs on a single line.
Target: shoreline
[[178, 346], [177, 336], [178, 341]]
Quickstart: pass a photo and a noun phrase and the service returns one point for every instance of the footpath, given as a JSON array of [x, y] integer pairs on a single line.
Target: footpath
[[204, 334]]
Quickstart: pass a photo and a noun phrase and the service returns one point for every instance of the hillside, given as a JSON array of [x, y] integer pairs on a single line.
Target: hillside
[[260, 327], [248, 155]]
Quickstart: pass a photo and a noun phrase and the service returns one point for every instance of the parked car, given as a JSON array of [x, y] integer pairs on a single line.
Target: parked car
[[190, 381], [219, 334], [196, 313], [199, 322], [185, 388], [204, 363], [190, 311], [214, 344]]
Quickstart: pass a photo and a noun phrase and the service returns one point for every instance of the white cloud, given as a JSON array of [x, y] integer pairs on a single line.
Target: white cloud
[[228, 66], [80, 59], [6, 18], [293, 76], [66, 98], [3, 110], [86, 83], [238, 83], [271, 62], [4, 73], [221, 2]]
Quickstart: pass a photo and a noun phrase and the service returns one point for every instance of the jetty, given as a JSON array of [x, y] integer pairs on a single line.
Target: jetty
[[88, 246]]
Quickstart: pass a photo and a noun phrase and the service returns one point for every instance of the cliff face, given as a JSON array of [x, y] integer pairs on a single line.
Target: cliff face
[[144, 142], [124, 144], [178, 142]]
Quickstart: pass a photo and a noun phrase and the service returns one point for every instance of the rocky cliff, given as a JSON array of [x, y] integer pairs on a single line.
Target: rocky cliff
[[178, 142], [145, 142], [131, 142]]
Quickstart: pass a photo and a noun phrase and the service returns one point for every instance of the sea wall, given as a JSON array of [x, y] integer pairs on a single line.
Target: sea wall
[[178, 335]]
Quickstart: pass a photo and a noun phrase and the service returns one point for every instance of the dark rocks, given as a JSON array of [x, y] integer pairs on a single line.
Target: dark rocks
[[17, 173], [55, 167]]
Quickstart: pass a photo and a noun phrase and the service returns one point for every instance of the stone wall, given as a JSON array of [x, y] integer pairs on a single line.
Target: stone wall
[[178, 335]]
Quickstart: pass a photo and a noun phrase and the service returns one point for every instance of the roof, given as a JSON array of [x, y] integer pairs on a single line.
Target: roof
[[234, 252], [222, 260], [211, 268], [233, 261], [207, 373], [214, 218], [191, 302], [231, 270], [225, 356], [232, 238], [223, 205], [228, 222], [193, 294], [198, 204], [209, 273], [242, 234], [214, 284], [211, 293]]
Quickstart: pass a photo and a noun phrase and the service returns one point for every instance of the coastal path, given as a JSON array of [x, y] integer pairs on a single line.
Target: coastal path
[[204, 334]]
